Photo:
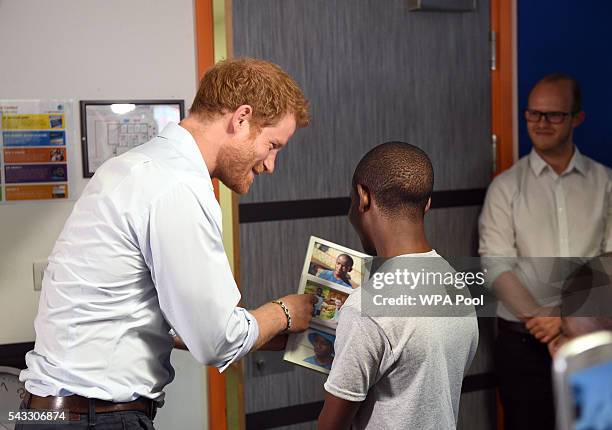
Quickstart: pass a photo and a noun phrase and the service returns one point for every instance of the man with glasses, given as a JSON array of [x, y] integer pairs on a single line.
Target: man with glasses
[[554, 202]]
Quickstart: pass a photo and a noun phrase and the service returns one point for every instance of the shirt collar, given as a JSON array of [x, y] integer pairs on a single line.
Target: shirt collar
[[577, 162], [536, 162], [431, 253], [185, 143], [538, 165]]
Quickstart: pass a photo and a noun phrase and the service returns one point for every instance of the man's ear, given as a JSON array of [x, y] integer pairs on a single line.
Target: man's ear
[[578, 119], [428, 205], [363, 194], [241, 119]]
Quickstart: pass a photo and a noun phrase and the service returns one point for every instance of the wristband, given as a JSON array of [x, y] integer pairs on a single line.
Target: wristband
[[286, 311]]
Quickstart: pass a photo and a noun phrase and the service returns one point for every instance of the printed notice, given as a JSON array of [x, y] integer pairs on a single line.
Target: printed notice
[[35, 150], [115, 128]]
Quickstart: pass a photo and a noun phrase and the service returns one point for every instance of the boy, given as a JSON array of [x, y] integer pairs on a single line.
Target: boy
[[340, 274], [392, 372], [323, 346]]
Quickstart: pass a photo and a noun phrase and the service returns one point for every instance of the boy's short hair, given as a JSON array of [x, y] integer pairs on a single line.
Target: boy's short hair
[[399, 177], [269, 90], [348, 259]]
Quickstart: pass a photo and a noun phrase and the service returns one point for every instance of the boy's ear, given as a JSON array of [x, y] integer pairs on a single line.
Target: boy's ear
[[363, 194], [428, 205]]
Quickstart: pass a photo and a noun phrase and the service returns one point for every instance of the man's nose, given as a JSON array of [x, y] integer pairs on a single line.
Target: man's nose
[[543, 120], [269, 163]]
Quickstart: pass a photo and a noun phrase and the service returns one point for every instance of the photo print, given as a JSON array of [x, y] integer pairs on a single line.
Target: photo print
[[334, 263], [313, 349], [331, 273], [329, 302]]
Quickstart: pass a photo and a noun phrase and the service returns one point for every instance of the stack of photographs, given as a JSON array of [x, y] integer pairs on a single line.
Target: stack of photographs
[[331, 273]]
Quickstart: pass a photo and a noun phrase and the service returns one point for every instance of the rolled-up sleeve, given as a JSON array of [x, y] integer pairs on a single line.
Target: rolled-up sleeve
[[197, 292], [496, 231]]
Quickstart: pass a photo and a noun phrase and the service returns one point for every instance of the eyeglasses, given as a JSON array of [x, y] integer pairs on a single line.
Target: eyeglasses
[[551, 117]]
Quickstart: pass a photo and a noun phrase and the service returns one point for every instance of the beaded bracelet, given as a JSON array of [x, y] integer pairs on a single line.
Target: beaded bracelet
[[286, 311]]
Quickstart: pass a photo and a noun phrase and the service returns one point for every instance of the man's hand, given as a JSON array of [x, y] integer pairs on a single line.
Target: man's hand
[[555, 344], [542, 327], [300, 308], [272, 321], [277, 343]]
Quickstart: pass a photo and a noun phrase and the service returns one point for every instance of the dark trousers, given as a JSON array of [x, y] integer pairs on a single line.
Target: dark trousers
[[523, 367], [125, 420]]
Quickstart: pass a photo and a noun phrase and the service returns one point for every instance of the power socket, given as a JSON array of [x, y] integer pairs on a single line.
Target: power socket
[[39, 271]]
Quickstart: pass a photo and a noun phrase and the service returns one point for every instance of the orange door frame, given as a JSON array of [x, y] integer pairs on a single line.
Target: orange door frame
[[502, 100], [205, 48], [204, 32], [501, 125], [502, 95], [502, 24]]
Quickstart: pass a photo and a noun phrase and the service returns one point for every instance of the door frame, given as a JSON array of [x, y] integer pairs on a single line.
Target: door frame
[[504, 83]]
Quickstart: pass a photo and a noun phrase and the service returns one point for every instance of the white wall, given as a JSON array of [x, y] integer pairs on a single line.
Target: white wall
[[83, 50], [79, 49]]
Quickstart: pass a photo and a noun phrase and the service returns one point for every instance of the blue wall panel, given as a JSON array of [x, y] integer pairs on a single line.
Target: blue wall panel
[[573, 37]]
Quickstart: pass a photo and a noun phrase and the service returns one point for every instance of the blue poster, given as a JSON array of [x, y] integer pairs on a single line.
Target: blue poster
[[34, 138], [27, 173]]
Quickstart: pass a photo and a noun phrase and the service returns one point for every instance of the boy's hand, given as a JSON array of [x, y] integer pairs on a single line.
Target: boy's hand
[[300, 308]]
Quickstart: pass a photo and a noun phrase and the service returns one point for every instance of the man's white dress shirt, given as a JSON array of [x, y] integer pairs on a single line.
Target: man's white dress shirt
[[531, 211], [141, 253]]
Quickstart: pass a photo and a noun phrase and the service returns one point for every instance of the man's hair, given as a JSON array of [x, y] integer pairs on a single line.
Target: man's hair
[[399, 177], [562, 77], [264, 86], [348, 258]]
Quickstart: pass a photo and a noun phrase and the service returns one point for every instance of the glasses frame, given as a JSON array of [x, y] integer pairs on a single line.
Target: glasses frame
[[546, 115]]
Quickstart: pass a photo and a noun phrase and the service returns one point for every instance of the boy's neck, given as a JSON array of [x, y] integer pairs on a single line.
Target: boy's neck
[[400, 238], [325, 360], [340, 277]]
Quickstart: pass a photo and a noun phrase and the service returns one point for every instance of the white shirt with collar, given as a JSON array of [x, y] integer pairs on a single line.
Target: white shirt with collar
[[141, 253], [531, 211]]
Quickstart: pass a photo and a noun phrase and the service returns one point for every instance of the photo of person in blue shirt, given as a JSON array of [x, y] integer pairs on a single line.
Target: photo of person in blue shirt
[[340, 274], [323, 344]]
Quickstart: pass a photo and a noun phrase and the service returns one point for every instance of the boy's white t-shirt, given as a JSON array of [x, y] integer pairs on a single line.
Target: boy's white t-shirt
[[406, 371]]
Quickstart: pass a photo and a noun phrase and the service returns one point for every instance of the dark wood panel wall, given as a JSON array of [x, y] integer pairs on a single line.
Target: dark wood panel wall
[[373, 71]]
